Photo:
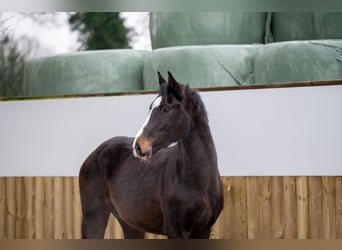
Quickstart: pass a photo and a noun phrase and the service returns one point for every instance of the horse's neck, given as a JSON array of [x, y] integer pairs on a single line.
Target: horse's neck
[[198, 156]]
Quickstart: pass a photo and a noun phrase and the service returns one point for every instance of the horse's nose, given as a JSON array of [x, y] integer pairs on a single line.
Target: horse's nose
[[142, 149], [141, 153], [137, 149]]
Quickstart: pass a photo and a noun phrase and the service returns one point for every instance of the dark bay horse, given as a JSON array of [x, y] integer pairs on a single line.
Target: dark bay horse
[[163, 181]]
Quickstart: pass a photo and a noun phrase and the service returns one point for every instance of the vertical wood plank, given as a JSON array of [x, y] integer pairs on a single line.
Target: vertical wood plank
[[328, 195], [58, 208], [29, 193], [277, 208], [77, 209], [3, 196], [68, 209], [49, 207], [21, 208], [265, 210], [229, 208], [39, 208], [241, 207], [11, 207], [338, 192], [252, 207], [315, 207], [290, 207], [303, 222]]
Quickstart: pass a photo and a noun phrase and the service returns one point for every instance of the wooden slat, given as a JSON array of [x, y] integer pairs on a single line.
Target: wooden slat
[[3, 206], [265, 210], [277, 208], [229, 208], [29, 196], [20, 208], [77, 209], [290, 207], [253, 207], [303, 221], [58, 208], [49, 207], [68, 208], [328, 195], [39, 208], [241, 207], [315, 204], [11, 207]]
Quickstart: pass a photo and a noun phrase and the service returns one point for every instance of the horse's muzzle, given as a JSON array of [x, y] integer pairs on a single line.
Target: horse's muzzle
[[142, 148]]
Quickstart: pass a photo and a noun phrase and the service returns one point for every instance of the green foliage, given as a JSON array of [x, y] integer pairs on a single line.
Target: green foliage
[[100, 30], [12, 63]]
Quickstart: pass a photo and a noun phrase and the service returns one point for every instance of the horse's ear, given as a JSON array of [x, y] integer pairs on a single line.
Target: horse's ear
[[176, 88], [161, 79]]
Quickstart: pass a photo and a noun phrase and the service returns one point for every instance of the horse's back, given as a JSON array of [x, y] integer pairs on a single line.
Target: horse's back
[[116, 147]]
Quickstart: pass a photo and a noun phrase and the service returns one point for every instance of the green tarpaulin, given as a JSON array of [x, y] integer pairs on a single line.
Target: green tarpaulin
[[288, 26], [201, 28], [202, 66], [299, 61], [85, 73]]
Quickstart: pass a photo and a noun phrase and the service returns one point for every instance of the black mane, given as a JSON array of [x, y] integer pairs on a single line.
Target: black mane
[[197, 103], [192, 100]]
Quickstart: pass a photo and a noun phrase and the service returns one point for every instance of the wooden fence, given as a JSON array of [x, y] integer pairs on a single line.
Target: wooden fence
[[255, 208]]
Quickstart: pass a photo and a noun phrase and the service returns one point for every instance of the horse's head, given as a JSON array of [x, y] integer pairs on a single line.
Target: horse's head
[[170, 118]]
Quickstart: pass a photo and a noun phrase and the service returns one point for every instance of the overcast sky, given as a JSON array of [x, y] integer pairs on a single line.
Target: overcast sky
[[51, 39]]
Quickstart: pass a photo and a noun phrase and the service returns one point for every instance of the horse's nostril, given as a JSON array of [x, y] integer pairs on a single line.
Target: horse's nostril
[[142, 149], [137, 149]]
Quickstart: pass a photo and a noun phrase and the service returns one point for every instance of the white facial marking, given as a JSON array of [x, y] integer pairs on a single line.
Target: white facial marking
[[173, 144], [154, 105]]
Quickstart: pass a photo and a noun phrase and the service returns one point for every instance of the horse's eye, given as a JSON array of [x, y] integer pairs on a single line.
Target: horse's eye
[[166, 109]]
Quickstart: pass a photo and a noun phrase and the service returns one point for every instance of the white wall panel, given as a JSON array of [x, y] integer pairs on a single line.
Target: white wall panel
[[280, 131]]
